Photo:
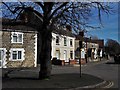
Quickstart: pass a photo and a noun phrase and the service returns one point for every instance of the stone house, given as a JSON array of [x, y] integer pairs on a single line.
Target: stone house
[[18, 46]]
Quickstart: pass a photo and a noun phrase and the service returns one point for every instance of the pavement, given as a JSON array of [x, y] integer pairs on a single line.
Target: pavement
[[28, 79]]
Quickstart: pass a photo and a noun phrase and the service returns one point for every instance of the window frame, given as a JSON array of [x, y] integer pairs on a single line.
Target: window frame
[[57, 42], [17, 50], [71, 42], [65, 41], [3, 63], [17, 34], [71, 53]]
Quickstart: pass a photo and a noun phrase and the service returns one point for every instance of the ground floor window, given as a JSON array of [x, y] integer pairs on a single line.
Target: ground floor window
[[71, 54], [2, 56], [17, 54]]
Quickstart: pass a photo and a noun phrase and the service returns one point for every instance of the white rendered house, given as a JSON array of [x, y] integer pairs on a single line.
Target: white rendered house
[[63, 47]]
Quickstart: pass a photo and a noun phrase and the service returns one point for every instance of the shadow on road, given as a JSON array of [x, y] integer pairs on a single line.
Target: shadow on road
[[112, 63], [70, 80]]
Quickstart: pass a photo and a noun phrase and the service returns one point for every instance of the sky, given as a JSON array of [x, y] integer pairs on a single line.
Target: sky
[[109, 29]]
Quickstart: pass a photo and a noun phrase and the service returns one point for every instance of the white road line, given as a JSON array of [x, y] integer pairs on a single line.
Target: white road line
[[109, 85]]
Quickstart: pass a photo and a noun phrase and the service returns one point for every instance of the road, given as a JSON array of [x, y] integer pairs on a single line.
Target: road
[[106, 70]]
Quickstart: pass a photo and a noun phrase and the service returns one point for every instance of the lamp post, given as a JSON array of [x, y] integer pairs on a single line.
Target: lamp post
[[86, 51], [81, 34]]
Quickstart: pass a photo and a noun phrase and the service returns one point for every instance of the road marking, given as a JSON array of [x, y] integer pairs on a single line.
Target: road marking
[[109, 85]]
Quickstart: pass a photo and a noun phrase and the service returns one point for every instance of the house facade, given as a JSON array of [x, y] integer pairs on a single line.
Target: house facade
[[88, 49], [63, 46], [18, 46]]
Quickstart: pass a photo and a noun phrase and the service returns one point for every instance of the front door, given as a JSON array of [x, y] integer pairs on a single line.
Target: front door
[[57, 54], [2, 57], [65, 56]]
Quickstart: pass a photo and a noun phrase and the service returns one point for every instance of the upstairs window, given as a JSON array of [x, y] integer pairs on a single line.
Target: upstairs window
[[17, 37], [57, 40], [71, 42], [65, 41]]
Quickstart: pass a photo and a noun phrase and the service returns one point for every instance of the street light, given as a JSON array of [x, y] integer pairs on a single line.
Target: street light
[[80, 45]]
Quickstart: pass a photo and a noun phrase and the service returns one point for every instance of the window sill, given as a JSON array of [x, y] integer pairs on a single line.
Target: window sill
[[16, 60], [17, 42]]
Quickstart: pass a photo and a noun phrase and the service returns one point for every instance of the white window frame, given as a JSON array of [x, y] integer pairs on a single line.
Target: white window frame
[[4, 58], [71, 40], [65, 41], [71, 52], [57, 43], [12, 34], [17, 49]]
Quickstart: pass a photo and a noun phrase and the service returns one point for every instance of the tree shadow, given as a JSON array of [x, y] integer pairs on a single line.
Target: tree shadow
[[116, 63], [21, 78]]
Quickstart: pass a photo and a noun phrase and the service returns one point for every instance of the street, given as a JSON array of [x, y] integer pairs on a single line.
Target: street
[[106, 70]]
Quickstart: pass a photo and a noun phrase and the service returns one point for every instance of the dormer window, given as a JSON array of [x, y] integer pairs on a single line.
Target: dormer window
[[17, 37]]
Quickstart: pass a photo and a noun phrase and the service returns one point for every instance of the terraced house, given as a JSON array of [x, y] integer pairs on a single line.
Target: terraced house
[[18, 46], [63, 45]]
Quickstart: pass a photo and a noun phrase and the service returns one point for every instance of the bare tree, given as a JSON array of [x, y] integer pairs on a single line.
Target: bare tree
[[51, 14]]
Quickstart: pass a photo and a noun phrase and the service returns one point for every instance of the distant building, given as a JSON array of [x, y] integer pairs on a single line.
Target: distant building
[[90, 47]]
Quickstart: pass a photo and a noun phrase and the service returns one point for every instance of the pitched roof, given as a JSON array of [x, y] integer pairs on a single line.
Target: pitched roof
[[11, 24]]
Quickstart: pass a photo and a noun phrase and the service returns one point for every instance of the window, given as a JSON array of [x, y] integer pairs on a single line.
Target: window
[[65, 41], [71, 54], [57, 40], [17, 37], [17, 54], [71, 43], [2, 57]]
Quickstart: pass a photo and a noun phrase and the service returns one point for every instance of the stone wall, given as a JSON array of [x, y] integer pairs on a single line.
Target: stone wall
[[28, 45]]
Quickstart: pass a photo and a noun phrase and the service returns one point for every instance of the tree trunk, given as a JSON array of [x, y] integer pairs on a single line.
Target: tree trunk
[[45, 55]]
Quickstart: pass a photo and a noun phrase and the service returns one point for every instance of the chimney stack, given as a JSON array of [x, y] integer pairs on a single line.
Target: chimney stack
[[26, 15], [69, 28]]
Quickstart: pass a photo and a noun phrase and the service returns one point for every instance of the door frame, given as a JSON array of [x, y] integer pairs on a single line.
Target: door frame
[[65, 56]]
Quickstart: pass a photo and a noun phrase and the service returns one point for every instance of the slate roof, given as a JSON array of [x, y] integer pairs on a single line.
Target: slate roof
[[10, 25], [19, 25]]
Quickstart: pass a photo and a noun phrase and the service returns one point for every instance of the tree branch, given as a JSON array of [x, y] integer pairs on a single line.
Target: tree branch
[[40, 4], [12, 11], [57, 9]]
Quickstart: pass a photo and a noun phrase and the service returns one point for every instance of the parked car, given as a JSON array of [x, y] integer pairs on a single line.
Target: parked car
[[56, 61], [117, 58]]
